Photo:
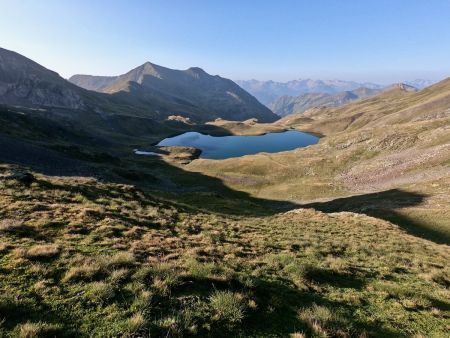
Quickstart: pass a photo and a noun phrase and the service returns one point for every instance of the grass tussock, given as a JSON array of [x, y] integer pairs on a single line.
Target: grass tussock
[[100, 292], [323, 322], [136, 323], [10, 225], [228, 307], [38, 251], [84, 272], [36, 330]]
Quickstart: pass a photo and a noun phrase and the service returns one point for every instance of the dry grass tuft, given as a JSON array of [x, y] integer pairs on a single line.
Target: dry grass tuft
[[297, 335], [120, 259], [4, 247], [442, 277], [35, 330], [38, 251], [101, 292], [136, 323], [321, 320], [86, 271], [119, 276], [9, 225]]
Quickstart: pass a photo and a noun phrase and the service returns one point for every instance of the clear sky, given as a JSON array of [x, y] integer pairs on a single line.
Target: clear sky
[[367, 40]]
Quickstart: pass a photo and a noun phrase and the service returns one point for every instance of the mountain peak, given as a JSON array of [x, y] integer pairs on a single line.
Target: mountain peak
[[196, 70], [149, 68], [192, 91]]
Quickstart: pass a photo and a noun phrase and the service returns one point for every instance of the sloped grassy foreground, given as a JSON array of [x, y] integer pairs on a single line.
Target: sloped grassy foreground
[[84, 258]]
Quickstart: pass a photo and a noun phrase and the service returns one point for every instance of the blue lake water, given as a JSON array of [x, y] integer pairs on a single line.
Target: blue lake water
[[220, 147]]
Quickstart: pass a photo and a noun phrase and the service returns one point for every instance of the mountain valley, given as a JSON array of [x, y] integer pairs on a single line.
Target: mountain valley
[[348, 237]]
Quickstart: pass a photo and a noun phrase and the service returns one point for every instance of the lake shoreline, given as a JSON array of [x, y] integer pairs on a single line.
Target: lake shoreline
[[222, 147]]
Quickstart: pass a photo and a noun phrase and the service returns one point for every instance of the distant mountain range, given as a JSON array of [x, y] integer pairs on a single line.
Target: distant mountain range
[[148, 91], [268, 91], [286, 105]]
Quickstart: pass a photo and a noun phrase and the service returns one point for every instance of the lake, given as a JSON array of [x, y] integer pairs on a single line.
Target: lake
[[221, 147]]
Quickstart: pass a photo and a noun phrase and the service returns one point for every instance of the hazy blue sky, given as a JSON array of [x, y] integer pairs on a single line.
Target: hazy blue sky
[[376, 40]]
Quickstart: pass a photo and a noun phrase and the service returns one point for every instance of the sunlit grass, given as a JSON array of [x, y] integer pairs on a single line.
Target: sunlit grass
[[152, 267]]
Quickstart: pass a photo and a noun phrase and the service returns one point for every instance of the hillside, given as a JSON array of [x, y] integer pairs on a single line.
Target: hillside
[[359, 154], [396, 105], [84, 258], [23, 82], [190, 92], [286, 105]]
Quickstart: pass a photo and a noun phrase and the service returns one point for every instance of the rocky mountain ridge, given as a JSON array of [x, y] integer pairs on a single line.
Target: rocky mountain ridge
[[24, 82]]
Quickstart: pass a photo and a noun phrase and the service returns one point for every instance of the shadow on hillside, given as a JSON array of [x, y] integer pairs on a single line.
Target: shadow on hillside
[[148, 173], [196, 190], [382, 205], [279, 304]]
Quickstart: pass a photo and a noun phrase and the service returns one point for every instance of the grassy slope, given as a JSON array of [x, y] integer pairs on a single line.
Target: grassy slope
[[361, 155], [85, 258], [391, 107]]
